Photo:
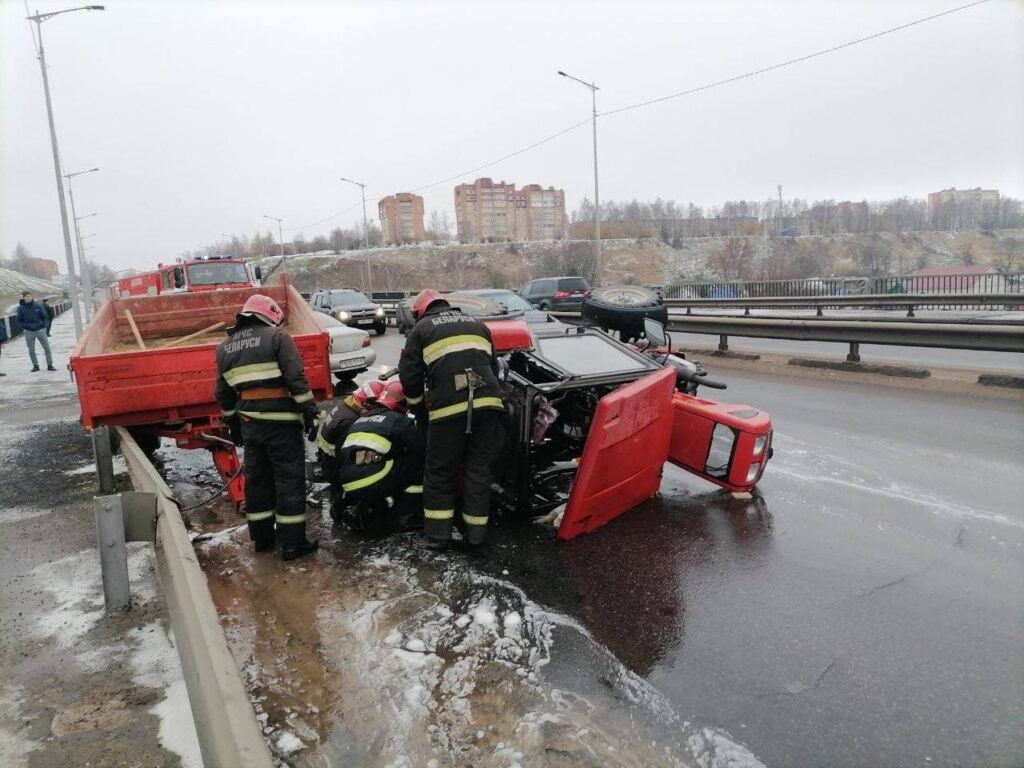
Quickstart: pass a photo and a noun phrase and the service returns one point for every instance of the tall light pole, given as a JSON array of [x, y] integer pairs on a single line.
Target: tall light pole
[[39, 18], [86, 277], [280, 237], [366, 233], [597, 200]]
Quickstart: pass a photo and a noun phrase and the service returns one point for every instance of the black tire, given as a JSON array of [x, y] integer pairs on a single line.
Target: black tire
[[343, 376], [147, 441], [544, 307], [623, 308], [380, 329]]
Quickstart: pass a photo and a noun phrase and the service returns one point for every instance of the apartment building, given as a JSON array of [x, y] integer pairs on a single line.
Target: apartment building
[[486, 211], [401, 218]]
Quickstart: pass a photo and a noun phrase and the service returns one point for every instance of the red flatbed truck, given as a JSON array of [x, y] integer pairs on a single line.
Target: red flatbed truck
[[168, 391]]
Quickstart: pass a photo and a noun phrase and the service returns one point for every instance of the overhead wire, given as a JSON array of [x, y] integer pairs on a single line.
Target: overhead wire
[[789, 62], [659, 99]]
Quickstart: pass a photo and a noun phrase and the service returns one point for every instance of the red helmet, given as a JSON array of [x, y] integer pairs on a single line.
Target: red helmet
[[368, 392], [393, 397], [263, 307], [422, 301]]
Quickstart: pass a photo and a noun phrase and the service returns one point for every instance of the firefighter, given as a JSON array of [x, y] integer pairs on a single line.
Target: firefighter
[[335, 421], [262, 389], [448, 366], [380, 464]]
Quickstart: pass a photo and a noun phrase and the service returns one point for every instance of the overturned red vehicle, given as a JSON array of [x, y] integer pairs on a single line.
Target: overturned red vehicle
[[594, 421]]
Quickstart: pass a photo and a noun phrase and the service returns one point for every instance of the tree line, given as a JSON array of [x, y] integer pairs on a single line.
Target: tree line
[[673, 222], [21, 260]]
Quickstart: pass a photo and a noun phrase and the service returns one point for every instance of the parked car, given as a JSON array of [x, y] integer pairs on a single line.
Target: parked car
[[350, 351], [352, 308], [512, 302], [556, 294]]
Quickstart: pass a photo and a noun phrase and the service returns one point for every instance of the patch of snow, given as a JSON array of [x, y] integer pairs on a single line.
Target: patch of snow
[[288, 743], [14, 749], [716, 749], [21, 514], [155, 664], [75, 585]]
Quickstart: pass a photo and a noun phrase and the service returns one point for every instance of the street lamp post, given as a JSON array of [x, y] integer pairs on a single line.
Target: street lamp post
[[597, 200], [86, 277], [39, 18], [366, 233], [280, 236]]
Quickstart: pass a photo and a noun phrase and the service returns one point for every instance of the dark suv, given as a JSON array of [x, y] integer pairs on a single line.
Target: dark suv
[[352, 308], [556, 294]]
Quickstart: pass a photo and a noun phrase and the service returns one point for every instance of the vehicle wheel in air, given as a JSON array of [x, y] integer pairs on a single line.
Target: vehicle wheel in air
[[623, 308]]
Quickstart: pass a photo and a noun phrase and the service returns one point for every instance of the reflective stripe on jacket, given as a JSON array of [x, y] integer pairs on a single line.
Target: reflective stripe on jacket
[[383, 436], [259, 356], [446, 354]]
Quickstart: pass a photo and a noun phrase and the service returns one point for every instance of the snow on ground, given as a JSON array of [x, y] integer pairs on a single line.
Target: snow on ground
[[155, 664], [21, 387], [120, 467], [14, 749], [460, 663]]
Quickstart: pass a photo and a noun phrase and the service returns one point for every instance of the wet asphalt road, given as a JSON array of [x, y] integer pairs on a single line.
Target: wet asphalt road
[[865, 608]]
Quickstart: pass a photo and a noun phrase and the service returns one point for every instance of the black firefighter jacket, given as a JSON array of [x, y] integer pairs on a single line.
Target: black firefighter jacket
[[446, 354], [258, 359]]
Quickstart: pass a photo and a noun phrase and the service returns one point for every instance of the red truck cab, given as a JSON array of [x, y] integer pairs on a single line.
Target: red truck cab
[[191, 276]]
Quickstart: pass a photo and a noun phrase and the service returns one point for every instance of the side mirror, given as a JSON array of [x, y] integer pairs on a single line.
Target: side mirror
[[179, 277], [655, 332], [258, 272]]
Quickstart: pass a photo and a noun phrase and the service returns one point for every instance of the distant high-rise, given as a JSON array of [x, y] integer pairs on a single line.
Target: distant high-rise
[[401, 218], [486, 211]]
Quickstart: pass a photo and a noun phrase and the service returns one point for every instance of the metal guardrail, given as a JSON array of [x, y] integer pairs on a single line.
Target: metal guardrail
[[982, 336], [229, 734], [893, 301], [955, 283]]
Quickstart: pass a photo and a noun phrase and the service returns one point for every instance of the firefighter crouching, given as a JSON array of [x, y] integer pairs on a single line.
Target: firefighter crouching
[[448, 364], [262, 389], [335, 421], [380, 465]]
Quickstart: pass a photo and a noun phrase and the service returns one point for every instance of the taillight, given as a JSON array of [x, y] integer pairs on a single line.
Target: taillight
[[562, 294], [586, 294], [366, 341]]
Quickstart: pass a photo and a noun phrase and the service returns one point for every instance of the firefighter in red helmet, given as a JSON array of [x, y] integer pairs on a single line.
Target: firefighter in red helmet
[[263, 392], [448, 366], [380, 465]]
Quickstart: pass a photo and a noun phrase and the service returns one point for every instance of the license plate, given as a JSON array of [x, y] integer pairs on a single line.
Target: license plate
[[364, 322], [355, 361]]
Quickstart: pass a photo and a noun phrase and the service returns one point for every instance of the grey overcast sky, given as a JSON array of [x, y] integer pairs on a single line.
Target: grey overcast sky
[[202, 116]]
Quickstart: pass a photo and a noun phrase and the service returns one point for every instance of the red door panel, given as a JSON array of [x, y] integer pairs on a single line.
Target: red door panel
[[625, 451]]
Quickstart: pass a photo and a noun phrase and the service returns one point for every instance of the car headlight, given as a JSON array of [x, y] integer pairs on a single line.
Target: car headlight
[[759, 444], [343, 316], [752, 472], [379, 312]]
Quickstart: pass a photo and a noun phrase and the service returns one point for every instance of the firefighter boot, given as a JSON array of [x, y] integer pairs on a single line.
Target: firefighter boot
[[261, 531], [294, 543]]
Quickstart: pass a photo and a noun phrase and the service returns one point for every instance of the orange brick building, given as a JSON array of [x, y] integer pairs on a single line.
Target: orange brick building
[[401, 218]]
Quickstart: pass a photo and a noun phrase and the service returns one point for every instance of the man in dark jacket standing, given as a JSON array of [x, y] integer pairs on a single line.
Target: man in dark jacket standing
[[448, 365], [262, 389], [34, 322]]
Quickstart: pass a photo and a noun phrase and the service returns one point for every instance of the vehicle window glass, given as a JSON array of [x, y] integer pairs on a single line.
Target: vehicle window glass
[[167, 280], [527, 290], [213, 273], [347, 298], [510, 301], [587, 354], [572, 284]]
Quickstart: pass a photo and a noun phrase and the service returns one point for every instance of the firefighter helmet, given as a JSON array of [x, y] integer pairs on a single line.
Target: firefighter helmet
[[393, 397], [368, 392], [423, 300], [263, 307]]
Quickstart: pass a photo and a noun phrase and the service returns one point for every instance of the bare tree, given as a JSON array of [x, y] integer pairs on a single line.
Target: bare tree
[[1010, 253], [735, 260]]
